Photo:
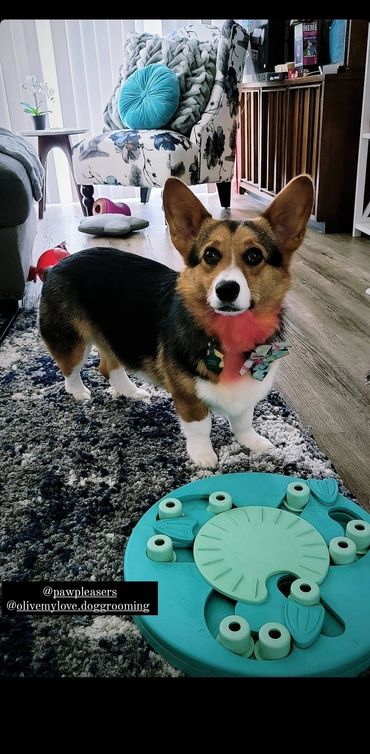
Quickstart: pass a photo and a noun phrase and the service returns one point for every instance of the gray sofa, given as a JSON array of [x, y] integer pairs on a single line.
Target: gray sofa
[[17, 230]]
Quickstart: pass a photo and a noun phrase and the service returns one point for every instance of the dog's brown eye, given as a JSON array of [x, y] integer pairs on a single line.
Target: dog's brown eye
[[253, 256], [211, 255]]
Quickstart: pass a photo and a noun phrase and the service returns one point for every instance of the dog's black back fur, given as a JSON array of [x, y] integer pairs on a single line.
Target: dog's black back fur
[[131, 300]]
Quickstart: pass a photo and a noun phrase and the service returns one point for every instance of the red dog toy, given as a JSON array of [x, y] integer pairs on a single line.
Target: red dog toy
[[49, 258], [103, 206]]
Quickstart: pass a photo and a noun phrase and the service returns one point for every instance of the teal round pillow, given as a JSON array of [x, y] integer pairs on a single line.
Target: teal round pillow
[[149, 97]]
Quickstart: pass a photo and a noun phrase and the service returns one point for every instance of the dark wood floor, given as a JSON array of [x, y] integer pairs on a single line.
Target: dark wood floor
[[328, 325]]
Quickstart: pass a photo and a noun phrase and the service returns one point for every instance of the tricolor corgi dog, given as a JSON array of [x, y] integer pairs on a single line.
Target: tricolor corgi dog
[[196, 332]]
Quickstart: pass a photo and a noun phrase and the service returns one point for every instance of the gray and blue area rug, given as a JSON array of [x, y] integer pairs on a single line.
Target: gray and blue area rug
[[74, 481]]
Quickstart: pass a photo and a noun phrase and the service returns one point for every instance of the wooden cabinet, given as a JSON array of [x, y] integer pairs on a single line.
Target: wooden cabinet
[[361, 220], [308, 125]]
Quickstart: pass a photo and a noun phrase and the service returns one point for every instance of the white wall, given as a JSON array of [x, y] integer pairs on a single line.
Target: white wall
[[80, 59]]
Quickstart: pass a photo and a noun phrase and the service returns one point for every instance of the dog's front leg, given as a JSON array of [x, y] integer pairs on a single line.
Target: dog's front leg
[[242, 428], [198, 441], [195, 421]]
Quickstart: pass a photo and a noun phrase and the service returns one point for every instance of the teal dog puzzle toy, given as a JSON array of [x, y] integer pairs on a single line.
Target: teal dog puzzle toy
[[258, 575]]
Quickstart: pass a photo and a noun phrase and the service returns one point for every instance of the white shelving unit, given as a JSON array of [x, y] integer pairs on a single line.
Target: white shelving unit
[[361, 219]]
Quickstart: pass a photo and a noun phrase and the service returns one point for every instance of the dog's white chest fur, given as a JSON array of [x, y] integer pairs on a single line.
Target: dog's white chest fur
[[236, 397]]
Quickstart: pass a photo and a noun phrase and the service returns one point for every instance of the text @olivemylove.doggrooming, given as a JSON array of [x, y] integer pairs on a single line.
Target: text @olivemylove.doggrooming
[[80, 598]]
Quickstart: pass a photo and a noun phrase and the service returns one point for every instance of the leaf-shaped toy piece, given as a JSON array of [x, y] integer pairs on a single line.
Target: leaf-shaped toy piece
[[325, 490], [181, 530], [304, 622]]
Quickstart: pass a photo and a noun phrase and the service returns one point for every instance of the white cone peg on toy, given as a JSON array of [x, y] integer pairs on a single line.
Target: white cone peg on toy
[[235, 635], [359, 532], [171, 507], [342, 550], [305, 592], [219, 502], [297, 496], [160, 549], [273, 643]]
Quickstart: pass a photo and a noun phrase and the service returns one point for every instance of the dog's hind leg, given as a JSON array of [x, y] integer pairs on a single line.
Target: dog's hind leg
[[120, 383], [70, 363], [69, 349], [71, 368]]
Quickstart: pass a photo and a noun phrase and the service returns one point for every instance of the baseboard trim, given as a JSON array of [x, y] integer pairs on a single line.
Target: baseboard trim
[[9, 310]]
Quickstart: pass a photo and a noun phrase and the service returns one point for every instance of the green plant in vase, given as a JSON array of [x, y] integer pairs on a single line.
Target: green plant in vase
[[41, 93]]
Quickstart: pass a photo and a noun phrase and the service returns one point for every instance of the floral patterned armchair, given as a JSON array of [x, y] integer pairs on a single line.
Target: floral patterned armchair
[[146, 158]]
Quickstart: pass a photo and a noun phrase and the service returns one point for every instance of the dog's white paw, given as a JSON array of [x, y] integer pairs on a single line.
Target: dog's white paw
[[255, 442], [202, 454], [140, 394], [80, 394]]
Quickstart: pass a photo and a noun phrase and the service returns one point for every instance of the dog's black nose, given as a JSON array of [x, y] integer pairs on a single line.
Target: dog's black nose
[[227, 290]]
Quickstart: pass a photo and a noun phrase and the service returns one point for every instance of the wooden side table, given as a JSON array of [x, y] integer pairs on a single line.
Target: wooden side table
[[47, 140]]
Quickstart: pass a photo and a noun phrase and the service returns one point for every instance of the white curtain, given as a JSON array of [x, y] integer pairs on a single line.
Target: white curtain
[[80, 59]]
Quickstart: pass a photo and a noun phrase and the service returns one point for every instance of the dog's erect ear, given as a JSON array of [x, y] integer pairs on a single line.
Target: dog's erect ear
[[289, 213], [184, 214]]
